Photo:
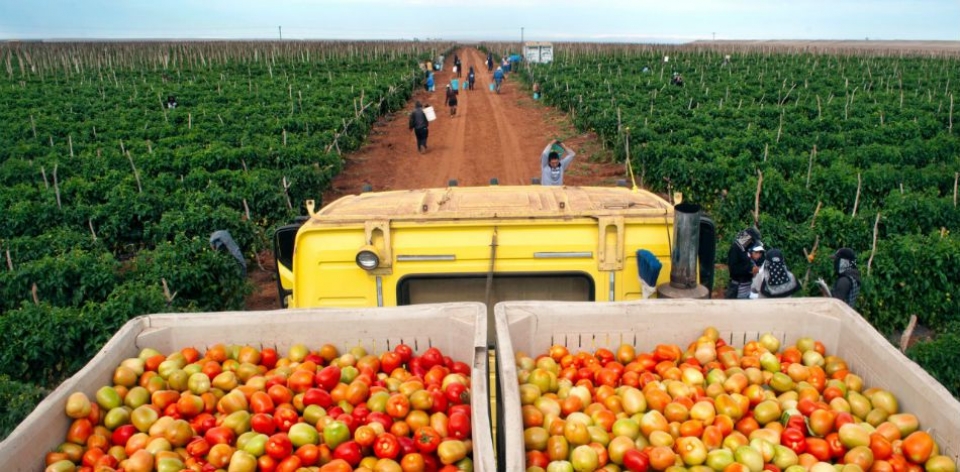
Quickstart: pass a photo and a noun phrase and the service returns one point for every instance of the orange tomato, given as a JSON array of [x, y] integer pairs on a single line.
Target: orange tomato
[[917, 446]]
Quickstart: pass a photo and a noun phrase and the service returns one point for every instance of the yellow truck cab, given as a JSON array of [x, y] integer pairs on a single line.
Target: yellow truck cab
[[486, 244]]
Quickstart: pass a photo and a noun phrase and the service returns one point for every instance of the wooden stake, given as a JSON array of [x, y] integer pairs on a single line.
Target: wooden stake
[[166, 292], [284, 137], [766, 150], [813, 154], [56, 187], [36, 298], [856, 201], [246, 209], [9, 261], [46, 184], [756, 200], [950, 127], [286, 187], [189, 121], [907, 333], [956, 177], [815, 213], [33, 126], [780, 128], [819, 111], [70, 143], [135, 173], [873, 249]]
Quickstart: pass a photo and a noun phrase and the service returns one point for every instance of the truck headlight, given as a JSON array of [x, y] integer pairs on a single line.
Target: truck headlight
[[367, 258]]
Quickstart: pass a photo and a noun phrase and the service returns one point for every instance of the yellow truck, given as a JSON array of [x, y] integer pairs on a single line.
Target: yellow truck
[[485, 244]]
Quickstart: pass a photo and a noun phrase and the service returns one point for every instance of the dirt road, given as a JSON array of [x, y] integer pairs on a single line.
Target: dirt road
[[492, 136]]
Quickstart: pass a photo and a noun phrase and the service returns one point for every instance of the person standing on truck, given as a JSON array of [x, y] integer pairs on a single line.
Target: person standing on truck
[[498, 78], [847, 286], [419, 125], [741, 266], [775, 279], [451, 101], [552, 165]]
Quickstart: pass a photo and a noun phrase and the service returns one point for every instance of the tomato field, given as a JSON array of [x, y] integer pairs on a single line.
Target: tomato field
[[110, 195], [821, 151]]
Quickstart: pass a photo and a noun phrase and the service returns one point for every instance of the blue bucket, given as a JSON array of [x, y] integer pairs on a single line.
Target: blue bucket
[[493, 87]]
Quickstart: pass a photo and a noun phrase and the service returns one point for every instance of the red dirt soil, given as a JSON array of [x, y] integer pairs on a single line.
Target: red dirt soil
[[491, 136]]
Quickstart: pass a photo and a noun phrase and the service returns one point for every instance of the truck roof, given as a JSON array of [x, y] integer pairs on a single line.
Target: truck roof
[[501, 202]]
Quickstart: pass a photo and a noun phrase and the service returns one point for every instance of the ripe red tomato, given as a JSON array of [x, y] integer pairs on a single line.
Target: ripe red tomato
[[263, 423], [348, 451], [268, 357], [636, 460], [431, 357], [458, 425], [390, 361], [426, 439], [220, 435], [285, 418], [279, 446], [386, 446], [317, 396], [457, 393], [405, 351]]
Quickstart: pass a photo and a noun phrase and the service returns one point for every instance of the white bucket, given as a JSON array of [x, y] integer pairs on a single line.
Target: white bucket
[[430, 113]]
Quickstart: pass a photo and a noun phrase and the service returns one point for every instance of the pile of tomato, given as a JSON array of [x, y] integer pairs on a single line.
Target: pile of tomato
[[243, 409], [714, 407]]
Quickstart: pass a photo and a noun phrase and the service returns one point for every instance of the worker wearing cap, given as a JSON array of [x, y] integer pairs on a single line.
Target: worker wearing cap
[[740, 265], [847, 286]]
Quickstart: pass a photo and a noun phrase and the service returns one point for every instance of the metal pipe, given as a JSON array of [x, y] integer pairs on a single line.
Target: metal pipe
[[683, 258]]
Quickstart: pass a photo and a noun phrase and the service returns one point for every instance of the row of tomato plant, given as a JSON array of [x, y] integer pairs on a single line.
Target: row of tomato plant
[[109, 193]]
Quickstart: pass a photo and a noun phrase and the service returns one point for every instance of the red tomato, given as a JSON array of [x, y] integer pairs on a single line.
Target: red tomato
[[794, 438], [220, 435], [460, 368], [426, 439], [348, 451], [537, 459], [405, 351], [458, 425], [279, 446], [263, 423], [380, 417], [309, 455], [268, 357], [290, 464], [389, 361], [386, 446], [398, 405], [407, 446], [328, 377], [431, 357], [439, 401], [837, 449], [285, 418], [261, 402], [122, 434], [317, 396], [457, 393], [636, 460]]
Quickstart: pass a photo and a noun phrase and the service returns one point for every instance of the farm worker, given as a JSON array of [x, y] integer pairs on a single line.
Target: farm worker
[[741, 266], [431, 84], [489, 61], [419, 125], [471, 77], [505, 65], [776, 280], [847, 286], [551, 164], [439, 64], [458, 65], [171, 101], [677, 79], [452, 101], [222, 239], [498, 77]]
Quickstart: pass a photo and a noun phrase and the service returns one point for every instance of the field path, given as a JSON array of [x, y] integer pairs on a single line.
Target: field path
[[492, 136]]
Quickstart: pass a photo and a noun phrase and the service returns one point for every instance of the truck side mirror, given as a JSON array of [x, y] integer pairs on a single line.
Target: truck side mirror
[[283, 241]]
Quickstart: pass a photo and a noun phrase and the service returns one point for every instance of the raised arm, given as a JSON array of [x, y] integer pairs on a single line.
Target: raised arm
[[545, 155], [567, 156]]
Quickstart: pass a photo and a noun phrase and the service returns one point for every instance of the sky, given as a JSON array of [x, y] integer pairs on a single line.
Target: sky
[[642, 21]]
